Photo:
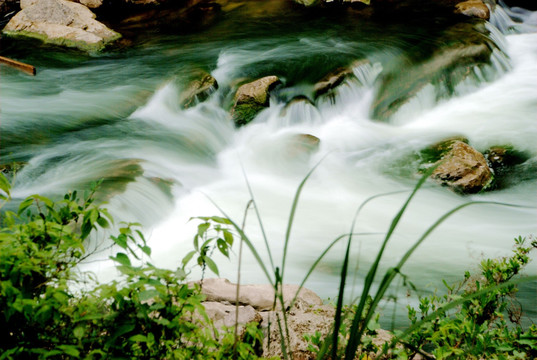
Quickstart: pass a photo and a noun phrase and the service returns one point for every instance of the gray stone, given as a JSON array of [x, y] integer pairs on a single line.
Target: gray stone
[[61, 22], [252, 98], [260, 297]]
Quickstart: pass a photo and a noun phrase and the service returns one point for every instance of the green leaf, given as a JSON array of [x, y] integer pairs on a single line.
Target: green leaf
[[5, 186], [146, 250], [79, 332], [122, 258], [138, 338], [70, 350], [202, 228], [25, 205], [210, 263], [147, 295], [188, 257], [223, 247], [228, 237]]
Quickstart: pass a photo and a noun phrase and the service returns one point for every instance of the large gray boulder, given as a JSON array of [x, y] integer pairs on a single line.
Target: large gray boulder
[[61, 22], [251, 98], [463, 169], [260, 297]]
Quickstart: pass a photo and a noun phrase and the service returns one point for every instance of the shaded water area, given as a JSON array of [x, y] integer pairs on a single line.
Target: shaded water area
[[116, 116]]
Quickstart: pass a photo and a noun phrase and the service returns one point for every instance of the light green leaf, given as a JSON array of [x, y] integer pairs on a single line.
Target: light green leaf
[[210, 263], [122, 258]]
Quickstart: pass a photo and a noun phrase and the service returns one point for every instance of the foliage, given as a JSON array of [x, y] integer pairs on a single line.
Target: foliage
[[478, 328], [50, 309]]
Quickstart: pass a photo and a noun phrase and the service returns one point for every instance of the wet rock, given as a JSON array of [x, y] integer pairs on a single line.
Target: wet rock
[[301, 144], [331, 81], [198, 90], [435, 152], [464, 47], [63, 23], [251, 98], [473, 8], [509, 165], [463, 169]]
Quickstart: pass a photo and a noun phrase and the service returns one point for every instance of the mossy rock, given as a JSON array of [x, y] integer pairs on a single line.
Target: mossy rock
[[435, 152]]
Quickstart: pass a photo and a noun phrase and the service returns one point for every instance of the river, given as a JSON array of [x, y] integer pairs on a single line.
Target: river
[[116, 116]]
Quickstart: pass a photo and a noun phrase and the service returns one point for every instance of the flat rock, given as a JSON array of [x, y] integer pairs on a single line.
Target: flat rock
[[260, 297], [61, 22]]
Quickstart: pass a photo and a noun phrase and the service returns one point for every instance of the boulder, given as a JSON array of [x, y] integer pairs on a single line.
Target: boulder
[[252, 98], [463, 169], [92, 4], [260, 297], [198, 90], [473, 8], [61, 22]]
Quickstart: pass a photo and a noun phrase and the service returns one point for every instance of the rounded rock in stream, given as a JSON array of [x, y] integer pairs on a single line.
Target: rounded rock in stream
[[198, 90], [251, 98], [463, 169], [473, 8]]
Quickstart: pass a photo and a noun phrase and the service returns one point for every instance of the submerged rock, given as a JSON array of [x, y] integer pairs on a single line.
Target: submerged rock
[[463, 169], [463, 47], [198, 90], [331, 81], [61, 22], [509, 165], [251, 98]]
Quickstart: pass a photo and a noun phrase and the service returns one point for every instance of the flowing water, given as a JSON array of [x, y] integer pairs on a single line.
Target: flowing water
[[117, 117]]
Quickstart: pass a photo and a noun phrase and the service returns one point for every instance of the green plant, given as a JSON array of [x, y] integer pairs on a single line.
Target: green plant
[[477, 328], [50, 309]]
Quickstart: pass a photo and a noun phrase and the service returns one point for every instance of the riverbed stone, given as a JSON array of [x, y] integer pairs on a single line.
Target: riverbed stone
[[473, 8], [251, 98], [198, 90], [331, 81], [463, 169], [260, 297], [63, 23]]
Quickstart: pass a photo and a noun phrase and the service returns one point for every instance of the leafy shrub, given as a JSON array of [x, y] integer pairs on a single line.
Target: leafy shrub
[[148, 313], [486, 325]]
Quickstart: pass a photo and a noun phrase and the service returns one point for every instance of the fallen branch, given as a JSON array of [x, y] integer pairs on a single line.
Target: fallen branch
[[29, 69]]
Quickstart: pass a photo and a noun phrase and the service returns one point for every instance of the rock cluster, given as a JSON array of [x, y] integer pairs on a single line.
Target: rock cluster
[[306, 315]]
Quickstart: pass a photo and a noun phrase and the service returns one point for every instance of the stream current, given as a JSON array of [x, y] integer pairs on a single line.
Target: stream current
[[117, 117]]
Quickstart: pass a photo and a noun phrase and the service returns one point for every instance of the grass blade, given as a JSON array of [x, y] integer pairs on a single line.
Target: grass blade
[[354, 339]]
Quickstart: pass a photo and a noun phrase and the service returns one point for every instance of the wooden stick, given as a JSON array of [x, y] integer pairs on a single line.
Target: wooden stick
[[29, 69]]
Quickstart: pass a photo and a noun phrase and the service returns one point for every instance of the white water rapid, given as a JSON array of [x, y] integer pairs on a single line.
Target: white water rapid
[[88, 126]]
